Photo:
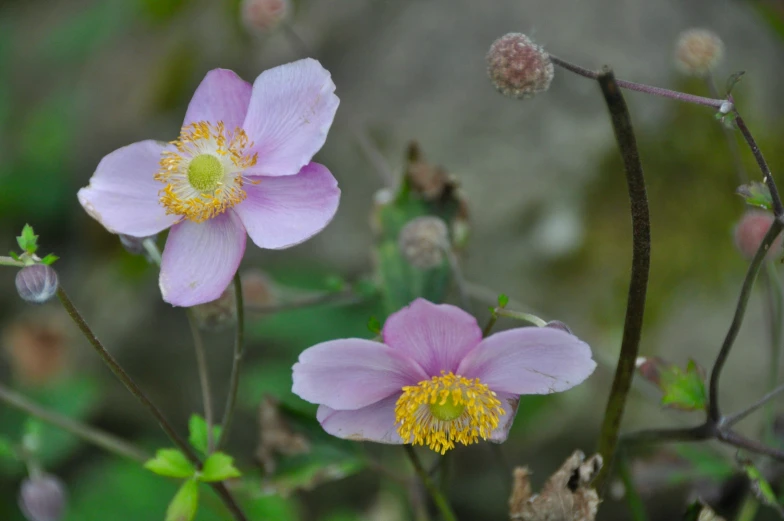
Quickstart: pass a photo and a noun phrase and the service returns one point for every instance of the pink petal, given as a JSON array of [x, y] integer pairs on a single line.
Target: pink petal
[[509, 402], [436, 336], [283, 211], [352, 373], [122, 194], [290, 112], [529, 360], [200, 259], [376, 422], [221, 96]]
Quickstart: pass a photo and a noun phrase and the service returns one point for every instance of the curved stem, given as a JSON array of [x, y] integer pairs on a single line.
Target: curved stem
[[8, 261], [714, 412], [736, 440], [438, 498], [640, 87], [97, 437], [204, 377], [685, 434], [239, 351], [134, 389], [740, 415], [767, 175], [732, 142], [638, 284]]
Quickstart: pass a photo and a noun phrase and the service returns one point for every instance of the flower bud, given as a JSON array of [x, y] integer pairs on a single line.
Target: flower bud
[[36, 283], [134, 245], [751, 230], [264, 15], [698, 51], [557, 324], [422, 241], [42, 498], [518, 67]]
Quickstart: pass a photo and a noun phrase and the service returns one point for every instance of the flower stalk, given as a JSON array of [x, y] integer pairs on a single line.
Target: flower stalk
[[236, 366], [436, 495]]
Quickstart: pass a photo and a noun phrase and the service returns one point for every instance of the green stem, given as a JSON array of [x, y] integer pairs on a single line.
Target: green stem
[[239, 351], [749, 508], [204, 377], [776, 301], [8, 261], [134, 389], [633, 499], [438, 498], [519, 315], [638, 284], [97, 437]]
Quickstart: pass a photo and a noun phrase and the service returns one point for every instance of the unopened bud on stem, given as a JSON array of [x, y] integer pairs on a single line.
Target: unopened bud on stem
[[518, 67], [36, 283], [42, 498]]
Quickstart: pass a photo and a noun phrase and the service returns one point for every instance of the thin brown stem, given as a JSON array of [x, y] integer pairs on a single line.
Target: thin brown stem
[[638, 284], [204, 377], [89, 434], [236, 366], [732, 142], [134, 389], [640, 87], [740, 415], [767, 175]]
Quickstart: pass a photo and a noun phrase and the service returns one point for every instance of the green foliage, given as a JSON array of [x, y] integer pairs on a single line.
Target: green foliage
[[197, 428], [218, 467], [756, 194], [684, 390], [374, 325], [702, 463], [761, 488], [171, 463], [28, 240], [7, 449], [49, 259], [185, 503], [503, 300]]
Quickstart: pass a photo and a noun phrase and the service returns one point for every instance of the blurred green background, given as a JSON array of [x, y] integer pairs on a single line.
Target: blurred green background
[[547, 214]]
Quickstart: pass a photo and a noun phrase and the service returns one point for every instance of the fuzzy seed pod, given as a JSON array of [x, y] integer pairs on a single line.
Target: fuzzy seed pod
[[698, 51], [518, 67], [37, 283]]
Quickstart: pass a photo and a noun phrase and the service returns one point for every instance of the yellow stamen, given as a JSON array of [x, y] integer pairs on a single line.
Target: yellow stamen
[[445, 410], [204, 174]]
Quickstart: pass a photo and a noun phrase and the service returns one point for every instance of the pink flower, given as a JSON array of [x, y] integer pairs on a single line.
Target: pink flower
[[434, 381], [242, 164]]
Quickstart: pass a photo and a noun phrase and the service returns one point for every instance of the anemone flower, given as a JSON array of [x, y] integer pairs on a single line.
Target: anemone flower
[[242, 165], [434, 380]]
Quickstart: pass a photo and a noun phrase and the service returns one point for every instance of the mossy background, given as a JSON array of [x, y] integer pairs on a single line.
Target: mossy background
[[549, 226]]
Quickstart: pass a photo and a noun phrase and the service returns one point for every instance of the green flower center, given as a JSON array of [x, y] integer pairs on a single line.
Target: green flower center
[[205, 172], [447, 410]]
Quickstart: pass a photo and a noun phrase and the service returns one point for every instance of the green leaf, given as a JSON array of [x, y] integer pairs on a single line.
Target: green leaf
[[733, 80], [28, 241], [335, 283], [185, 503], [218, 467], [171, 463], [684, 390], [14, 256], [756, 194], [197, 427], [49, 259], [761, 488], [374, 325], [7, 449], [503, 300]]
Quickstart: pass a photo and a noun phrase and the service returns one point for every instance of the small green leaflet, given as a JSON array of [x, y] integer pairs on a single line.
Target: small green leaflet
[[756, 194], [374, 325], [171, 463], [198, 433], [503, 300], [185, 503], [28, 241], [218, 467], [761, 488]]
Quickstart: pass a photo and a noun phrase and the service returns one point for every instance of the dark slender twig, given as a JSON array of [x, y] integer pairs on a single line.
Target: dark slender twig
[[729, 135], [640, 87], [714, 412], [134, 389], [236, 366], [438, 498], [97, 437], [204, 377], [732, 438], [767, 175], [683, 434], [641, 258], [732, 419]]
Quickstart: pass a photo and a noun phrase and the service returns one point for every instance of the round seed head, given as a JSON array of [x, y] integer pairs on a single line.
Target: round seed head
[[698, 51], [751, 230], [42, 498], [422, 241], [37, 283], [518, 67]]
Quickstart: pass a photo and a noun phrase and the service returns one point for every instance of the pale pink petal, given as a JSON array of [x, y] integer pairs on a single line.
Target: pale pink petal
[[200, 259], [221, 96], [529, 360], [352, 373], [510, 403], [122, 194], [283, 211], [290, 112], [376, 422], [437, 336]]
